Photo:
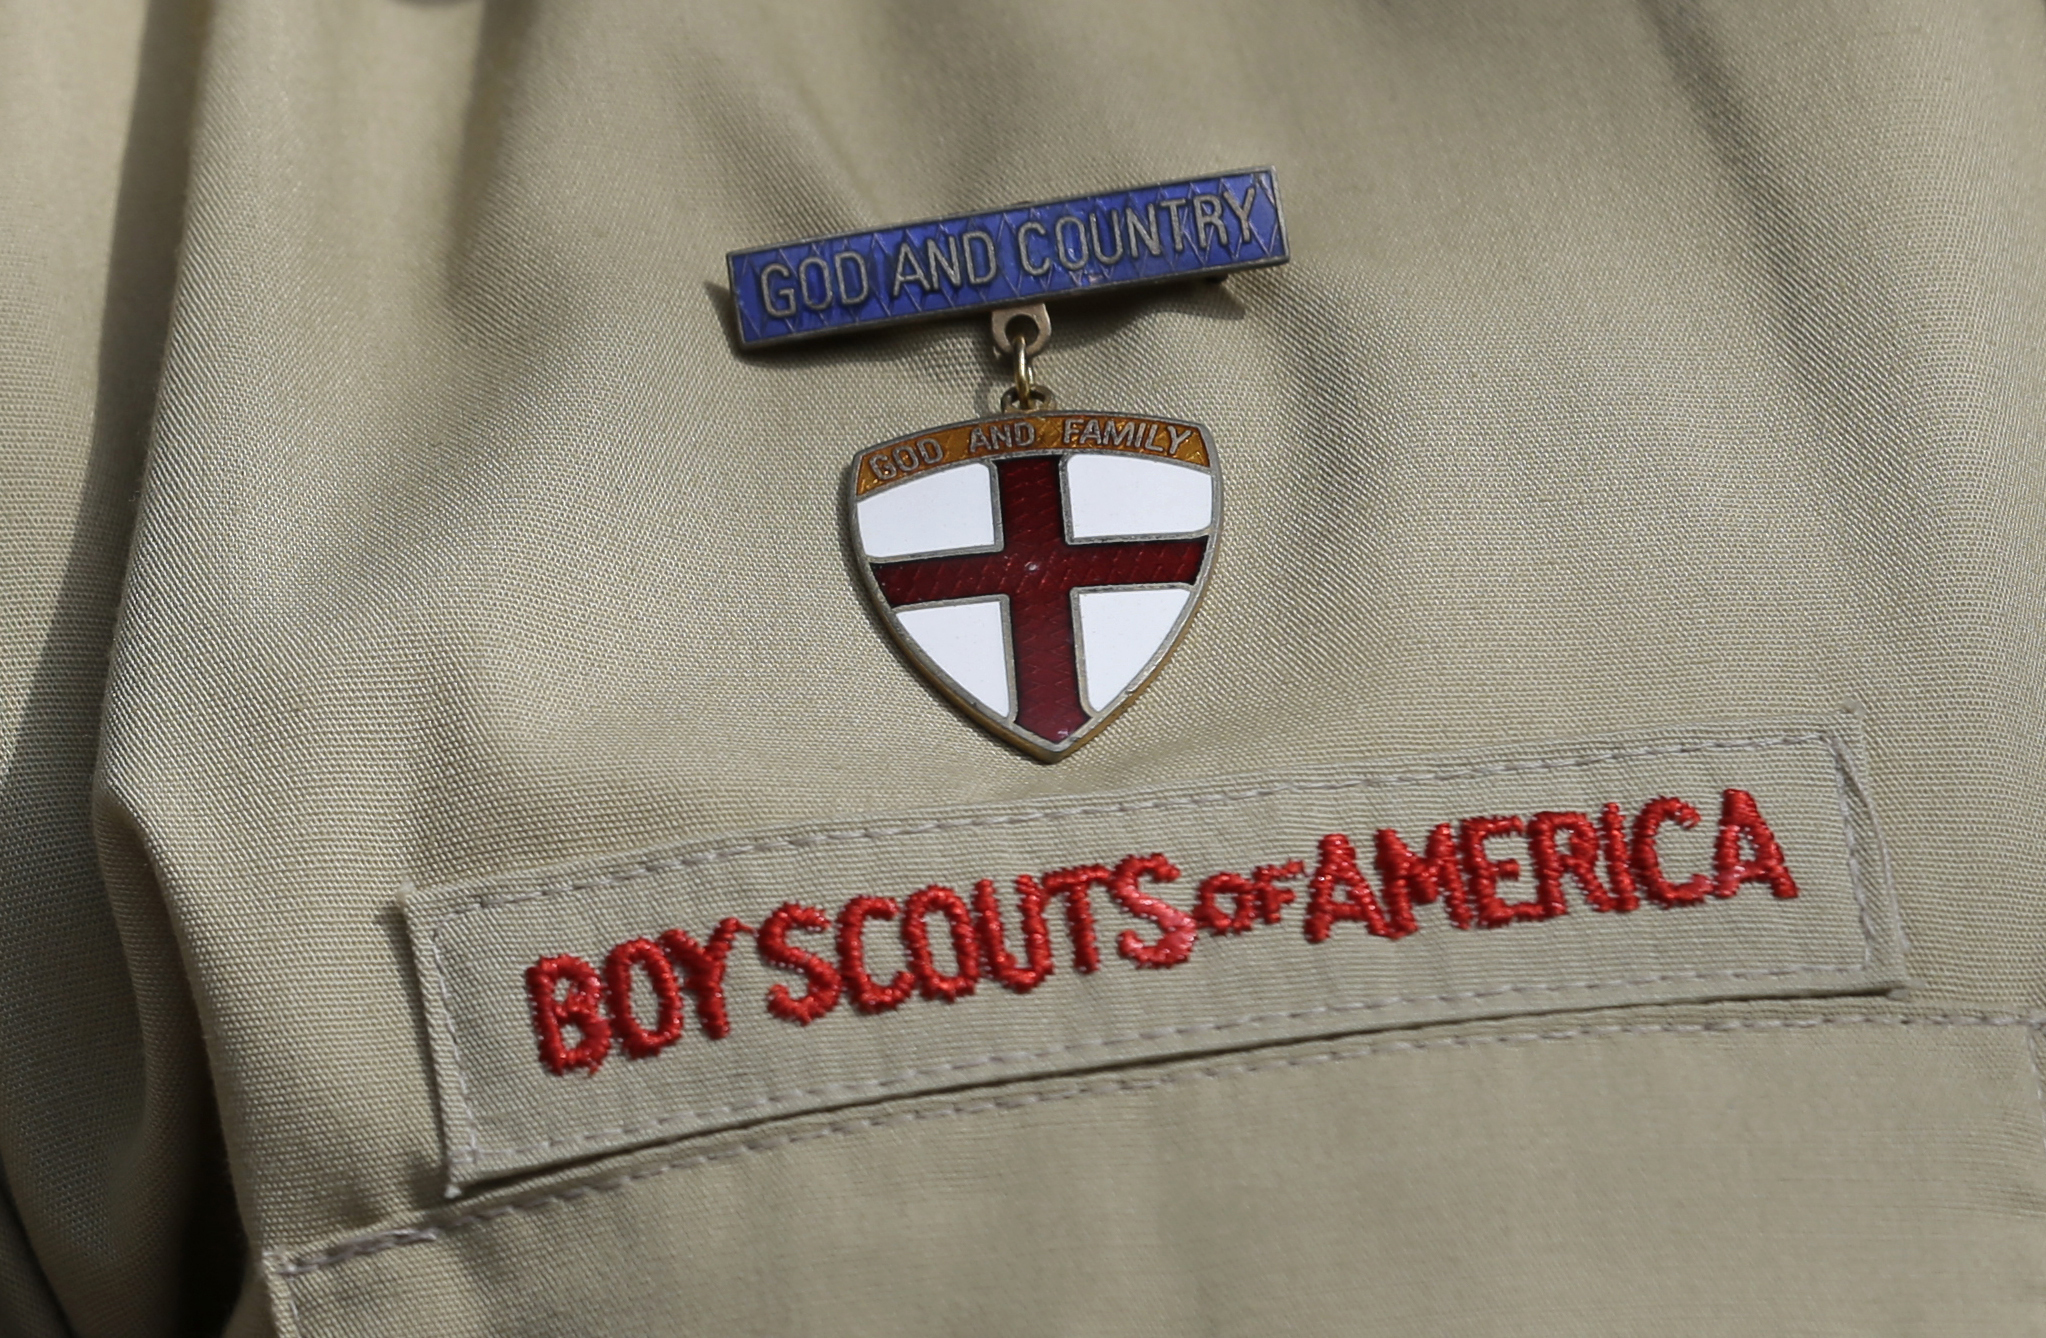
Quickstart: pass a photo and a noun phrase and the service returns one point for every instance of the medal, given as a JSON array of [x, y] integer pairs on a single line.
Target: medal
[[1037, 565]]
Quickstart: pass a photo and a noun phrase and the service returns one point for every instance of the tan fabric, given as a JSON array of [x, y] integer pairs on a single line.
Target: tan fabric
[[1641, 369], [116, 1221], [1851, 1177]]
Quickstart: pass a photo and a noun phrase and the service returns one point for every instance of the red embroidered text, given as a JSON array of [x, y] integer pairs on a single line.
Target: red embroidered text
[[947, 942]]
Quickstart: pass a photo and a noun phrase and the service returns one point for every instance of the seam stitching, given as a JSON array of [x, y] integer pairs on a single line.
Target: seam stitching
[[2038, 1072], [878, 1085], [276, 1261], [1848, 840], [472, 1137], [366, 1246]]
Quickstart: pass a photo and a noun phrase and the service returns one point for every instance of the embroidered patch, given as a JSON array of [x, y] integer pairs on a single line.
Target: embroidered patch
[[731, 981]]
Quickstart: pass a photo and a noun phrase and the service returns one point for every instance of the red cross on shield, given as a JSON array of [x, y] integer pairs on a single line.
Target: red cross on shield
[[1038, 568]]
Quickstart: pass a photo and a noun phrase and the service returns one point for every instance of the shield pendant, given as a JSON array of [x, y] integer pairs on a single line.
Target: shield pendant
[[1038, 568]]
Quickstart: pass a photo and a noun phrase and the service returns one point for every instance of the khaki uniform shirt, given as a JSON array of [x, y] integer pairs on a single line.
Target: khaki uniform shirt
[[407, 581]]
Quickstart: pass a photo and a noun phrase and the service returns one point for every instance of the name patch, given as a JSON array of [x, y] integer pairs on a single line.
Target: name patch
[[725, 982], [1025, 253]]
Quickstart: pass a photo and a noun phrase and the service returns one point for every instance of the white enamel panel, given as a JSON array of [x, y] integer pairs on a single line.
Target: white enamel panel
[[1125, 494], [949, 509], [1120, 630], [967, 642]]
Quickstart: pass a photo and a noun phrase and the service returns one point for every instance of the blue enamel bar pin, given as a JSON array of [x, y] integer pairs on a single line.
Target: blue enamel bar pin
[[1040, 564], [1008, 257]]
